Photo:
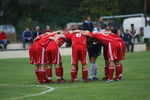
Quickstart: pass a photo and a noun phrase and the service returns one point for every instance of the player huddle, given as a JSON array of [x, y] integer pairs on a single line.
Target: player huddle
[[44, 52]]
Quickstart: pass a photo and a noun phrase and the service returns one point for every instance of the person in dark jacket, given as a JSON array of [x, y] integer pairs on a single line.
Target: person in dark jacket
[[128, 40], [36, 32], [88, 25], [27, 36]]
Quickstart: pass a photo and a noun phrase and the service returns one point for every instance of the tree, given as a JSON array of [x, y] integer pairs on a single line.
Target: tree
[[96, 8], [130, 6]]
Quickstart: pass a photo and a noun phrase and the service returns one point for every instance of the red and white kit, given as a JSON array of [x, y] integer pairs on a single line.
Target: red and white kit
[[37, 49], [112, 47], [52, 52], [79, 47]]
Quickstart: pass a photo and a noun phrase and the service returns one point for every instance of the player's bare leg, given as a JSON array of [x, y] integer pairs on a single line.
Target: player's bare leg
[[49, 73]]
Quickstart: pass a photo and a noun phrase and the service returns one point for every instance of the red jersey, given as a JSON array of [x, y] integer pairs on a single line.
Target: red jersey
[[76, 38], [103, 38], [47, 31], [61, 41], [116, 37], [3, 36], [44, 39]]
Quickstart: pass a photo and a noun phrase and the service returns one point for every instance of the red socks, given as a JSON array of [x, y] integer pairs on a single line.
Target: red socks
[[58, 74], [106, 72], [85, 74], [76, 72], [62, 72], [38, 75], [110, 72], [41, 75], [49, 74], [119, 71], [73, 74]]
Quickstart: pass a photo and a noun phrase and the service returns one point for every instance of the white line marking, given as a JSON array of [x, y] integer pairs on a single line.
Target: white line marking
[[31, 95]]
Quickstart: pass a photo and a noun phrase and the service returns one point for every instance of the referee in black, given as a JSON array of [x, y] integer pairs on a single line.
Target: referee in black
[[94, 49]]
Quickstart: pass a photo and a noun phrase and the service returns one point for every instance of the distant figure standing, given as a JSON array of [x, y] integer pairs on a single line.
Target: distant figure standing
[[128, 40], [111, 23], [133, 32], [36, 32], [92, 46], [47, 29], [97, 28], [3, 39], [27, 36], [88, 25], [113, 29], [101, 23]]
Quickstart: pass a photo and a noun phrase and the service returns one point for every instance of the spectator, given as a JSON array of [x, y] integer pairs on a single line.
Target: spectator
[[101, 23], [3, 39], [128, 40], [113, 29], [26, 36], [111, 23], [88, 25], [97, 28], [140, 35], [37, 32], [106, 29], [47, 29], [133, 32], [119, 33]]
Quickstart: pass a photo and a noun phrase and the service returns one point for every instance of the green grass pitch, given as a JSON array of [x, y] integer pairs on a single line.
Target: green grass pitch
[[17, 79]]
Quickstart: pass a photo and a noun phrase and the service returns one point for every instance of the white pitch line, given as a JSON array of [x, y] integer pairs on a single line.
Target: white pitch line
[[31, 95]]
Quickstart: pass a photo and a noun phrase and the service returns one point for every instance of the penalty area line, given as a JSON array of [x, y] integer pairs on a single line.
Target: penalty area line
[[49, 89]]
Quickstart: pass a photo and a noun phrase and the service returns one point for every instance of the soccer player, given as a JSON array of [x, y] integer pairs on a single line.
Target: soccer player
[[53, 57], [93, 45], [121, 56], [79, 53], [118, 63], [112, 52], [37, 55]]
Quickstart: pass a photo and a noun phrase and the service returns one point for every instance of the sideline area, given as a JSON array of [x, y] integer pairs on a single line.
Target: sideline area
[[15, 50]]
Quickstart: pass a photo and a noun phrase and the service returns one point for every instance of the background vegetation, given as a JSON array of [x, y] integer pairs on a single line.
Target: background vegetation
[[57, 13]]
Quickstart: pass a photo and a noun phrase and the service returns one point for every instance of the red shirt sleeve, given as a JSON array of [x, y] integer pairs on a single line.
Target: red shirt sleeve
[[61, 41], [68, 36]]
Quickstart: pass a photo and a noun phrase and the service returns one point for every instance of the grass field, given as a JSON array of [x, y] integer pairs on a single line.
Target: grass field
[[18, 81]]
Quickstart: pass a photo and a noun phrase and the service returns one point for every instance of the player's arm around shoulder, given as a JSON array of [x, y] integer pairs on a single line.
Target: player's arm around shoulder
[[87, 33], [37, 38]]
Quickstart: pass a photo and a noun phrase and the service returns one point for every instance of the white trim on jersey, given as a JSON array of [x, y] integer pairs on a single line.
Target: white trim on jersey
[[43, 53], [86, 56], [58, 57], [110, 52]]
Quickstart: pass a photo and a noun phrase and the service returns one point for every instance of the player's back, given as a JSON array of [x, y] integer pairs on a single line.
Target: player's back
[[44, 39], [78, 39], [103, 38]]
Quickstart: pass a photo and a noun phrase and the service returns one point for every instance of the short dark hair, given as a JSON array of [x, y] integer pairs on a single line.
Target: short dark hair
[[132, 24]]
